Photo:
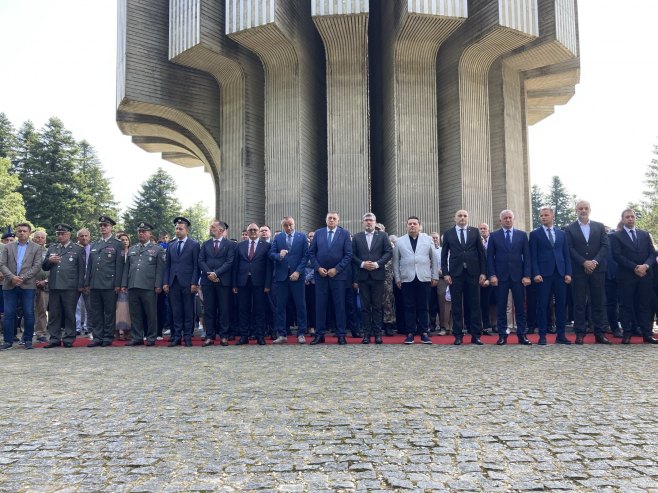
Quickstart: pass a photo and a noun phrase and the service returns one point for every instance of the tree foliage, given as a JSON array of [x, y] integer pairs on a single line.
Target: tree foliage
[[12, 208], [154, 203], [200, 219], [559, 199], [647, 209], [537, 199], [7, 137]]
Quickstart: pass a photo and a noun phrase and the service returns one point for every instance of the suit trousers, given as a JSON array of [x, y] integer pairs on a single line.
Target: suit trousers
[[612, 303], [465, 293], [416, 295], [61, 313], [590, 288], [251, 305], [371, 292], [297, 291], [142, 304], [103, 314], [181, 299], [518, 296], [41, 313], [324, 286], [12, 298], [216, 310], [635, 304], [552, 285]]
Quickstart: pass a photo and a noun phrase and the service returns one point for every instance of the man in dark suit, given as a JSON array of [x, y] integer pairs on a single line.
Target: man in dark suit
[[289, 251], [588, 245], [331, 254], [252, 277], [465, 273], [633, 250], [371, 251], [551, 270], [509, 268], [20, 263], [181, 282], [216, 259]]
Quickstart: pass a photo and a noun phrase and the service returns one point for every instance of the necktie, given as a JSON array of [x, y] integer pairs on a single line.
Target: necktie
[[251, 250], [330, 237], [462, 238], [180, 247], [508, 237], [369, 240], [634, 237], [289, 241], [216, 247], [550, 236]]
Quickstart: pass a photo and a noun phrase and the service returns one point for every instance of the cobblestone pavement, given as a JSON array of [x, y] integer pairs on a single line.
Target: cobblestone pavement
[[330, 418]]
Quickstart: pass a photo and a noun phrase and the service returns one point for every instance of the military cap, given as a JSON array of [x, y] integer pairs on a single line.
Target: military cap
[[182, 220], [107, 219], [63, 227], [144, 226], [8, 234]]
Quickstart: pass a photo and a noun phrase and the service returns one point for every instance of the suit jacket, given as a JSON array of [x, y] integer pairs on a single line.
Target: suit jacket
[[338, 255], [259, 268], [549, 259], [221, 264], [144, 268], [596, 248], [30, 267], [380, 251], [70, 272], [472, 254], [408, 264], [184, 267], [509, 262], [627, 255], [105, 265], [294, 261]]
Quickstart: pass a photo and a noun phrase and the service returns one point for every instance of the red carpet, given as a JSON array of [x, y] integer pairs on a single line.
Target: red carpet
[[397, 339]]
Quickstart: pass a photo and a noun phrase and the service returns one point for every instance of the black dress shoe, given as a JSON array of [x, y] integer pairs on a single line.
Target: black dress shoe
[[52, 345], [542, 340], [107, 343], [342, 341], [617, 333], [260, 341], [188, 343], [524, 340], [224, 342], [501, 341], [579, 339], [626, 339], [650, 340], [134, 342], [378, 340], [208, 342], [68, 344], [95, 343], [601, 339], [366, 340], [458, 340], [150, 343], [476, 340], [317, 340], [243, 340], [173, 343], [562, 340]]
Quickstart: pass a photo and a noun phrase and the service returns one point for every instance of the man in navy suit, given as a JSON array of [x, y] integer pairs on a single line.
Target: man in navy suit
[[588, 244], [252, 277], [464, 273], [289, 251], [181, 282], [215, 262], [634, 253], [551, 270], [371, 252], [331, 254], [509, 268]]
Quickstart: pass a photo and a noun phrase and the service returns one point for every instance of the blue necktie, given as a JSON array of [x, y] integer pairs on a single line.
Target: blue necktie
[[289, 241], [550, 236], [180, 247], [330, 237], [508, 237], [634, 237]]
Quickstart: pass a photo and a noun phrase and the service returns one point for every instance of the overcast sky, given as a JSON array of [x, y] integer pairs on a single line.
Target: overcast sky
[[58, 58]]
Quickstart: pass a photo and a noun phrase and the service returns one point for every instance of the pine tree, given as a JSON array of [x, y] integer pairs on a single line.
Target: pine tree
[[154, 203], [562, 202], [200, 219], [12, 208], [647, 209], [7, 138], [537, 199]]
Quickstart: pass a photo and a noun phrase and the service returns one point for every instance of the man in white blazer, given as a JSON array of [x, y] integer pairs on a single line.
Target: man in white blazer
[[415, 270]]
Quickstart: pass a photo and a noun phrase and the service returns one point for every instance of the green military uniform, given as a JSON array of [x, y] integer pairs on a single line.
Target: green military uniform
[[104, 276], [142, 275], [65, 281]]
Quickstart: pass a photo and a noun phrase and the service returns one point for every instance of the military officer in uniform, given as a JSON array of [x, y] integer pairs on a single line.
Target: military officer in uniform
[[66, 263], [142, 279], [104, 276]]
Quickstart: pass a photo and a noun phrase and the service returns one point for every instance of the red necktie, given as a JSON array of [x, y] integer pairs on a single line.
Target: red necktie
[[251, 250], [216, 246]]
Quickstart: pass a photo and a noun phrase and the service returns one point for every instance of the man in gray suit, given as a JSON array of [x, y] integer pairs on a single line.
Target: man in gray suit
[[66, 263], [415, 270], [371, 251], [20, 262]]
